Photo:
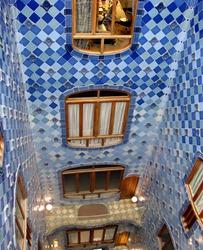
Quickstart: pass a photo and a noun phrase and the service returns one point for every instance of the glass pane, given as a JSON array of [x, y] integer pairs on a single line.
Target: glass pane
[[93, 45], [118, 119], [88, 119], [100, 180], [169, 246], [83, 16], [84, 182], [77, 143], [115, 180], [20, 217], [123, 19], [196, 180], [199, 203], [98, 235], [73, 237], [20, 197], [104, 15], [73, 120], [113, 45], [109, 234], [95, 143], [112, 141], [105, 115], [85, 236], [19, 238], [69, 182]]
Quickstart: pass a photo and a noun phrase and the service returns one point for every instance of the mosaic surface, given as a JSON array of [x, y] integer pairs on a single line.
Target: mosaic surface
[[162, 71], [19, 156]]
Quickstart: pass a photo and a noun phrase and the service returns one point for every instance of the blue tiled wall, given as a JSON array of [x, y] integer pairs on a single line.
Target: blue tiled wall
[[180, 141], [19, 154]]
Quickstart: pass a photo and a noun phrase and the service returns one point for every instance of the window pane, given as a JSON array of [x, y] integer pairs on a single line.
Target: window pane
[[112, 141], [69, 183], [109, 234], [88, 119], [84, 182], [115, 180], [111, 45], [98, 234], [118, 119], [77, 143], [83, 16], [104, 16], [95, 143], [84, 236], [105, 115], [20, 217], [123, 17], [19, 238], [100, 180], [199, 203], [93, 45], [73, 237], [197, 180], [73, 120]]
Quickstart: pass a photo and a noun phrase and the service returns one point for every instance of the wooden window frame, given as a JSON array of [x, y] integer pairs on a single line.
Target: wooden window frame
[[108, 169], [159, 237], [91, 238], [98, 100], [193, 198], [29, 234], [1, 149], [23, 211], [99, 35]]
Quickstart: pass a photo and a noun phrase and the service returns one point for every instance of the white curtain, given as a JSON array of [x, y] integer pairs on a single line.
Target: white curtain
[[196, 180], [78, 143], [73, 237], [88, 119], [105, 116], [112, 141], [95, 142], [73, 115], [199, 203], [118, 119]]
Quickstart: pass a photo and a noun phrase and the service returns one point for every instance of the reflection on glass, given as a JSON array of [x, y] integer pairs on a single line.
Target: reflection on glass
[[69, 183], [104, 16], [98, 235], [115, 180], [84, 236], [73, 237], [84, 182], [109, 234], [100, 180], [123, 15]]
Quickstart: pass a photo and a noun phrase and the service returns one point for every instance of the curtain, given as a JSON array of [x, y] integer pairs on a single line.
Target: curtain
[[73, 237], [88, 119], [196, 180], [118, 119], [78, 143], [112, 141], [95, 142], [73, 114], [83, 16], [199, 203], [105, 116]]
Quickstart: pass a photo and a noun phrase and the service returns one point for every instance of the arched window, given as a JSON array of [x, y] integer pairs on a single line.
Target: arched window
[[92, 181], [96, 118], [103, 26], [23, 230], [194, 185]]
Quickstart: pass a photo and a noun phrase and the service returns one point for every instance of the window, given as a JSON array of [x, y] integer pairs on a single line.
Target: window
[[165, 241], [1, 150], [96, 118], [94, 180], [21, 214], [194, 185], [122, 238], [103, 26], [85, 237], [29, 237]]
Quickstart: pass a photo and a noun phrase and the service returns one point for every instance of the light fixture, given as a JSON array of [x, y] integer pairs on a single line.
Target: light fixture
[[41, 208], [49, 207], [141, 198], [134, 199], [56, 244]]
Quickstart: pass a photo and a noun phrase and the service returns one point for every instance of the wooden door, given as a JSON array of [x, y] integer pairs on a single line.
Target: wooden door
[[128, 187]]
